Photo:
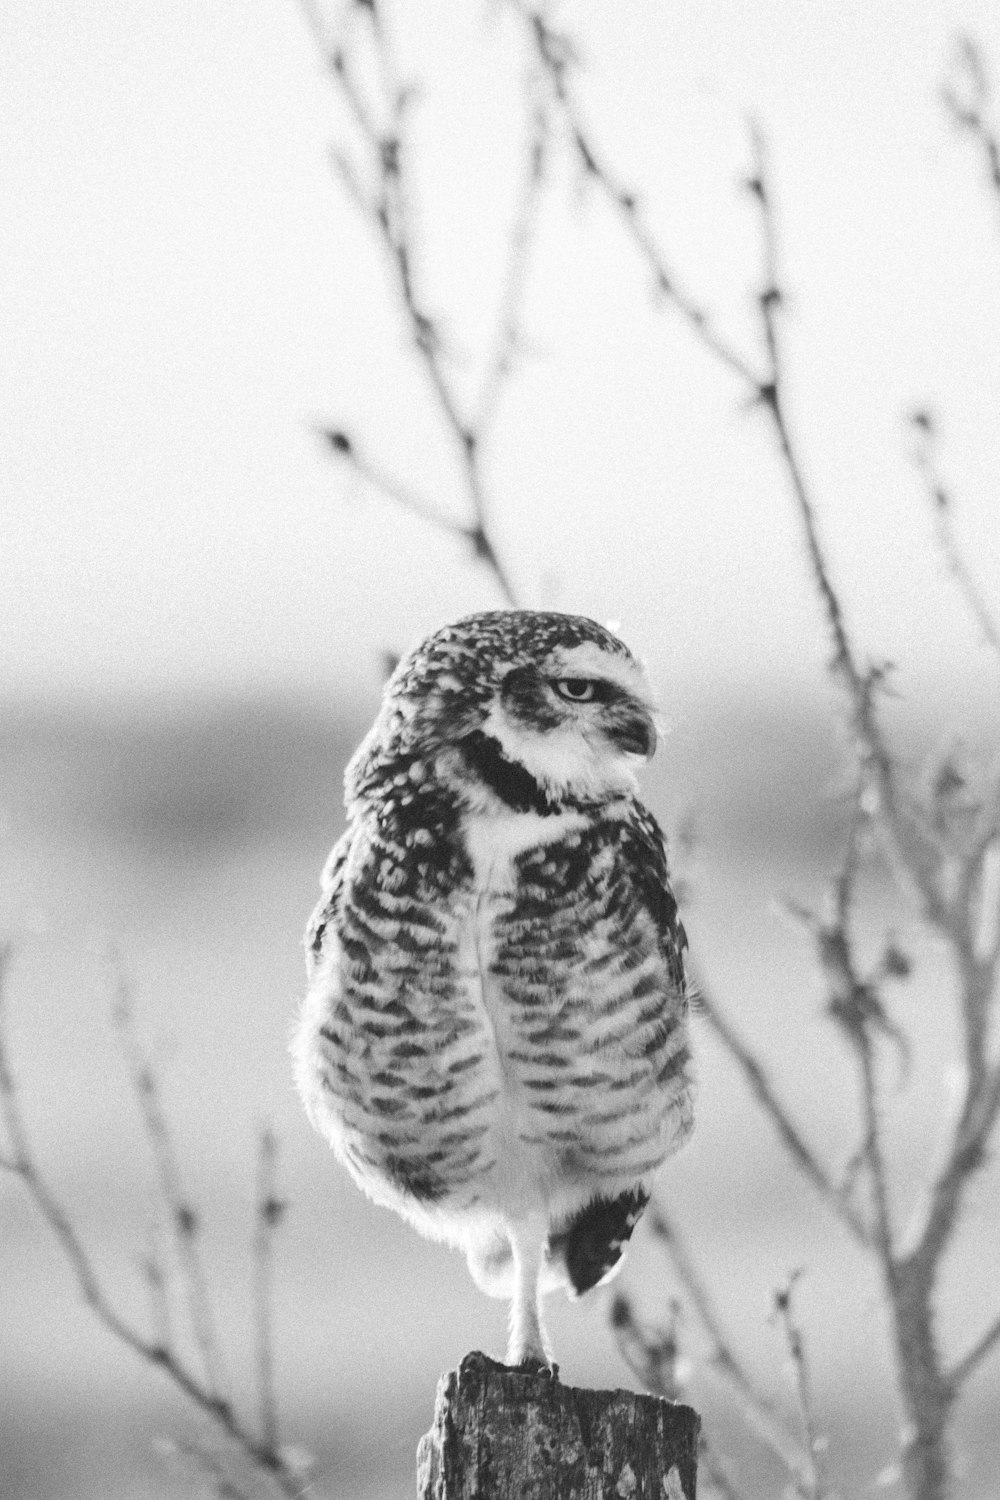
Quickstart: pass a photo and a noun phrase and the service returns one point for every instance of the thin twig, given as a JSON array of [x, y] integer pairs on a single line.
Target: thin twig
[[713, 1469], [385, 205], [205, 1398], [507, 336], [555, 53], [757, 1411], [968, 1154], [909, 844], [203, 1467], [771, 393], [967, 102], [801, 1153], [184, 1220], [651, 1351], [269, 1213], [814, 1487], [926, 461], [156, 1281], [980, 1351], [392, 489], [854, 1003]]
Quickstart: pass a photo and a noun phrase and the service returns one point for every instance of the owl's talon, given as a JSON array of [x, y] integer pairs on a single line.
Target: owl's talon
[[530, 1365]]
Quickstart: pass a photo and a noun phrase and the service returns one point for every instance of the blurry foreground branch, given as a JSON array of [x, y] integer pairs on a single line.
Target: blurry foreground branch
[[968, 98], [381, 188], [201, 1379]]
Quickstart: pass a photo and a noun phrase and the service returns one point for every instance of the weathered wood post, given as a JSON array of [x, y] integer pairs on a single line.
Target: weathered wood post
[[502, 1435]]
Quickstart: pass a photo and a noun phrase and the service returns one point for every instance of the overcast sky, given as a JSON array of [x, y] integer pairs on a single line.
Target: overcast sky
[[185, 289]]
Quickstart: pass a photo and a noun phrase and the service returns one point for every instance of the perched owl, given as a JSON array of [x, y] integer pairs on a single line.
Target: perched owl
[[495, 1037]]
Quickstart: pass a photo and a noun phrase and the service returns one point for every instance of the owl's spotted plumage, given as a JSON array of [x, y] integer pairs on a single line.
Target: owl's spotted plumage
[[494, 1039]]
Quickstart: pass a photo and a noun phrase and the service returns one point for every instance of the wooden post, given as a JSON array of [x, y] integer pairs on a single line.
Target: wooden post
[[502, 1435]]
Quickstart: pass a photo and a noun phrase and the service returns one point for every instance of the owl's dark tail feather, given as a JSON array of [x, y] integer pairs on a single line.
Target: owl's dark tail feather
[[591, 1244]]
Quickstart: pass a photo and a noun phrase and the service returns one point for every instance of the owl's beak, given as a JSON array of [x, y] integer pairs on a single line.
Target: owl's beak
[[635, 733]]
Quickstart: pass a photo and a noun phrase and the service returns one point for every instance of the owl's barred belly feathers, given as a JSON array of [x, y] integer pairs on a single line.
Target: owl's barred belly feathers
[[494, 1038], [523, 1045]]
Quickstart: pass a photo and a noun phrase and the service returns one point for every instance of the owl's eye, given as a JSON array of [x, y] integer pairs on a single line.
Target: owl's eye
[[577, 689]]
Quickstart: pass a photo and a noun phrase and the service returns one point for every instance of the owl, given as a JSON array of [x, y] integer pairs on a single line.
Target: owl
[[495, 1035]]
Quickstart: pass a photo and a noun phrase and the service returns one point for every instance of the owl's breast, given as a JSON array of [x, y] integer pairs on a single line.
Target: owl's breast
[[488, 1043], [396, 1055], [596, 1024]]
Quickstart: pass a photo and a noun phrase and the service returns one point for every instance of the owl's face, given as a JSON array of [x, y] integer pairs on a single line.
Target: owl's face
[[555, 695]]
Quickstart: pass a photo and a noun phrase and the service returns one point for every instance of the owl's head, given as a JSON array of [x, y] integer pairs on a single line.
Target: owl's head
[[519, 704]]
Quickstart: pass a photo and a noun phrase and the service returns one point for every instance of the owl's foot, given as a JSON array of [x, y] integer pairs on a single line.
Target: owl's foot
[[527, 1348], [533, 1365]]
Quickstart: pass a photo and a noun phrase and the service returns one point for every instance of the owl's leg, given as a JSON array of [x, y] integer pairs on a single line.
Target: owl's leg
[[528, 1344]]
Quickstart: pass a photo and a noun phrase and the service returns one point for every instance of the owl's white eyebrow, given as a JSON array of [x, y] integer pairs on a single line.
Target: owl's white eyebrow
[[590, 661]]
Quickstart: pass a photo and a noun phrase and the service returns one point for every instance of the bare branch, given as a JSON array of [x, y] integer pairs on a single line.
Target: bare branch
[[392, 489], [156, 1281], [507, 337], [855, 1004], [801, 1153], [713, 1469], [270, 1211], [981, 1349], [756, 1410], [771, 393], [967, 101], [925, 459], [385, 206], [202, 1467], [968, 1154], [555, 53], [812, 1484], [269, 1461], [183, 1217], [651, 1351]]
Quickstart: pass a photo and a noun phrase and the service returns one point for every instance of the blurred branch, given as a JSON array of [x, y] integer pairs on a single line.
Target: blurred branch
[[761, 1087], [203, 1393], [967, 101], [184, 1220], [757, 1411], [925, 459], [508, 337], [556, 54], [855, 1004], [812, 1484], [771, 393], [346, 450], [270, 1211], [712, 1468], [207, 1471], [981, 1349], [383, 200], [156, 1280], [652, 1352]]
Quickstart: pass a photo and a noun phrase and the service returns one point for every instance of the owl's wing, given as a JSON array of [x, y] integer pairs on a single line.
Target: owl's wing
[[645, 850], [331, 885]]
